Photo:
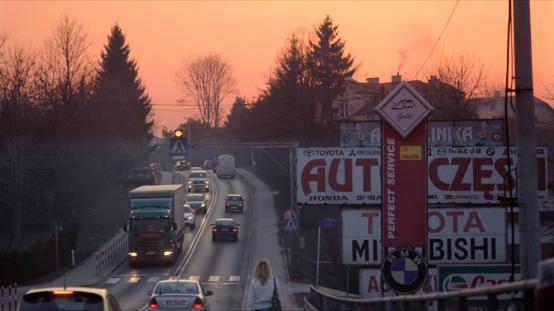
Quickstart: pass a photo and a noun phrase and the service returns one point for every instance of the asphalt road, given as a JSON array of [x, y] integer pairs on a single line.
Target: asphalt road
[[220, 266]]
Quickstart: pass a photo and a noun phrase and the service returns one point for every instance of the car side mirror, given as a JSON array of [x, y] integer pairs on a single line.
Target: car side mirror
[[209, 293], [149, 292]]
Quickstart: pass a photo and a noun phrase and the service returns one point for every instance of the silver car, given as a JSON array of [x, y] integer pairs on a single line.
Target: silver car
[[179, 294], [190, 216], [197, 201]]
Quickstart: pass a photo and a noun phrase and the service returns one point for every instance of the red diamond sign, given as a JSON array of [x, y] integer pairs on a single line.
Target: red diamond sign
[[404, 109]]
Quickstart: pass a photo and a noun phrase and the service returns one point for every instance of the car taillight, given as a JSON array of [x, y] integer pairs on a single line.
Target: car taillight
[[215, 230], [235, 229], [240, 205], [153, 304], [198, 304], [63, 292], [227, 205]]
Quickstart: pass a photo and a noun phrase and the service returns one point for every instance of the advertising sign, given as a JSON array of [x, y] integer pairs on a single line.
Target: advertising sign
[[371, 285], [404, 270], [361, 236], [338, 175], [360, 134], [475, 174], [452, 278], [455, 235], [448, 133]]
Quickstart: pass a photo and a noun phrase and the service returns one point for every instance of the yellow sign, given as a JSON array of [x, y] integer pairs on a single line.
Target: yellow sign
[[410, 152]]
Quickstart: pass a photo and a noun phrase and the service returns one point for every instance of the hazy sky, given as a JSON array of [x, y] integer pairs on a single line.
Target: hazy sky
[[250, 35]]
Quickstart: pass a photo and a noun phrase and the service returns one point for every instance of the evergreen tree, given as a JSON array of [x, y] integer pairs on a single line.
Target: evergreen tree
[[237, 120], [327, 65], [119, 95]]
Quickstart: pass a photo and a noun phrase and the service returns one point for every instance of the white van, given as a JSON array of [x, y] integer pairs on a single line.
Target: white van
[[226, 166]]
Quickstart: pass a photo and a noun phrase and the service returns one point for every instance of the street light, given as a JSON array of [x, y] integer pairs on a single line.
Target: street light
[[178, 133]]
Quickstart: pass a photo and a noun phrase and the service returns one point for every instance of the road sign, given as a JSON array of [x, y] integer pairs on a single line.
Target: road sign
[[290, 221], [404, 270], [328, 222], [179, 147]]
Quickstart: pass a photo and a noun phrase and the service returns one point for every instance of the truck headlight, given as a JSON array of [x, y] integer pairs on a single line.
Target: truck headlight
[[133, 254], [168, 253], [203, 205]]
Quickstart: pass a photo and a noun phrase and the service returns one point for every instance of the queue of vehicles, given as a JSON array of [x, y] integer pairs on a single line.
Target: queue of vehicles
[[158, 215]]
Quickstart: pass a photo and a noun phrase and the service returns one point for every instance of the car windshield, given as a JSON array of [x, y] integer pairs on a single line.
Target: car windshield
[[195, 198], [151, 203], [225, 223], [150, 225], [48, 301], [176, 288], [234, 198], [187, 210], [197, 175]]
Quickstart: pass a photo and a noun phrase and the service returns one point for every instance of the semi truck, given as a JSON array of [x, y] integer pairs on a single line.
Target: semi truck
[[156, 224]]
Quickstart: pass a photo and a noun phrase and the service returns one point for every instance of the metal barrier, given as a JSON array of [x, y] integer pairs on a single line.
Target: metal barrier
[[9, 297], [115, 250], [321, 301]]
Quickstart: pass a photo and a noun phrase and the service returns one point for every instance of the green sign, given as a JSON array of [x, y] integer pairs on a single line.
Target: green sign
[[459, 277]]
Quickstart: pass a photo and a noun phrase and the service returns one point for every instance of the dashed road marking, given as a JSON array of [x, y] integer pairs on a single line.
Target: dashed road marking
[[214, 278], [133, 279], [234, 278], [153, 279], [112, 281]]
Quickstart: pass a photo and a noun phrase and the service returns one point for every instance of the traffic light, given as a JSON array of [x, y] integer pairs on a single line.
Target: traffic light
[[178, 133]]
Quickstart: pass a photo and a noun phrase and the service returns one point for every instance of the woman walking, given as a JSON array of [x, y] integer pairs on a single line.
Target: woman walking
[[263, 292]]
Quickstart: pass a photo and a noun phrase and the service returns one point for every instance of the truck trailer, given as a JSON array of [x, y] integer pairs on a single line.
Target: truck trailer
[[156, 224]]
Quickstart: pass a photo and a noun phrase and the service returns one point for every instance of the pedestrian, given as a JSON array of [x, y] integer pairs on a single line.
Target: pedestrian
[[263, 292]]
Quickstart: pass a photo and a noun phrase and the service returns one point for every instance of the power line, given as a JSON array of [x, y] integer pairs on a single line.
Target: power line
[[439, 39]]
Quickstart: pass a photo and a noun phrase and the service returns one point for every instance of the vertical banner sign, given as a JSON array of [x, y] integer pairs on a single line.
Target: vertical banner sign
[[404, 153]]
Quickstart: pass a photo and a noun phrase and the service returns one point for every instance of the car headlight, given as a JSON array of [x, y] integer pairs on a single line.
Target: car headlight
[[189, 182], [133, 254], [207, 182], [203, 205], [168, 253]]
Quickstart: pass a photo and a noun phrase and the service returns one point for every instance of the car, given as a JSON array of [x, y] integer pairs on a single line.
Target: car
[[197, 201], [208, 164], [179, 294], [182, 165], [198, 181], [68, 298], [225, 228], [195, 168], [234, 202], [190, 216]]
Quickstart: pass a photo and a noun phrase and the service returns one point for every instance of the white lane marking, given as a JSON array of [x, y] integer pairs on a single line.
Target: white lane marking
[[194, 278], [112, 281], [133, 279], [153, 279], [234, 278], [213, 278]]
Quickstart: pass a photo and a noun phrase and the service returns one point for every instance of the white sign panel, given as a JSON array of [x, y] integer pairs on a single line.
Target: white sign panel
[[455, 235], [371, 285], [361, 236], [404, 109], [338, 175], [475, 174]]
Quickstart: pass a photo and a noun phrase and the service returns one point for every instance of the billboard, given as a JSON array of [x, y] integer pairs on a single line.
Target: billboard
[[475, 174], [486, 132], [338, 175], [452, 278], [371, 285], [455, 235]]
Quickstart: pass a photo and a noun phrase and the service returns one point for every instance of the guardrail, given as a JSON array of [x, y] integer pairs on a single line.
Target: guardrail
[[115, 250], [9, 297], [319, 300]]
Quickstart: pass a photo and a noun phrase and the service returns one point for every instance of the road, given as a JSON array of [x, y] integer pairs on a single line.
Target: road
[[221, 266]]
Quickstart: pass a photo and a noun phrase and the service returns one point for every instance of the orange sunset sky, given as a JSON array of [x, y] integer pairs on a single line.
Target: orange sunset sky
[[250, 35]]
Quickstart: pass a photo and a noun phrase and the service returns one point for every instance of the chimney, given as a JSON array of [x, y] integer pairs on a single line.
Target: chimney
[[397, 78], [373, 81]]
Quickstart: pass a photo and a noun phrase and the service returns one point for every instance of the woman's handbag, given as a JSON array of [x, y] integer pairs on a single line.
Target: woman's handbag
[[275, 301]]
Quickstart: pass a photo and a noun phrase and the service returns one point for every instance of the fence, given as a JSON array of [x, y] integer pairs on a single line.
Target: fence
[[9, 297], [321, 301], [114, 251]]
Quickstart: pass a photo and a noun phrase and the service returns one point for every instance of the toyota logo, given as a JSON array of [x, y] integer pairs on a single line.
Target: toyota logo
[[309, 152]]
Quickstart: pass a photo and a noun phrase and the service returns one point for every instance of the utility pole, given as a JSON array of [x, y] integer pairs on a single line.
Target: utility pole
[[529, 224]]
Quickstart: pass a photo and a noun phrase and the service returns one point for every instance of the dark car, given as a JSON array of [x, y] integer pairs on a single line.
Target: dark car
[[138, 176], [234, 203], [225, 228], [182, 166], [208, 165], [179, 294]]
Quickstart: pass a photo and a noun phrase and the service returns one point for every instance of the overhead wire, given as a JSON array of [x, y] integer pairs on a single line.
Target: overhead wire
[[439, 38]]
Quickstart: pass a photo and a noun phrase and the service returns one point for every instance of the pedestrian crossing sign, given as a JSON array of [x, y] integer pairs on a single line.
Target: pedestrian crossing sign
[[290, 224], [178, 146]]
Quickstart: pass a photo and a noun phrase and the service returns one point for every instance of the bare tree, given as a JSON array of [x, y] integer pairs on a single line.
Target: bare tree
[[208, 81], [464, 72]]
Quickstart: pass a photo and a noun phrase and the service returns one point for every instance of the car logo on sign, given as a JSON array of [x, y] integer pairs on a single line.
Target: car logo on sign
[[308, 152]]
